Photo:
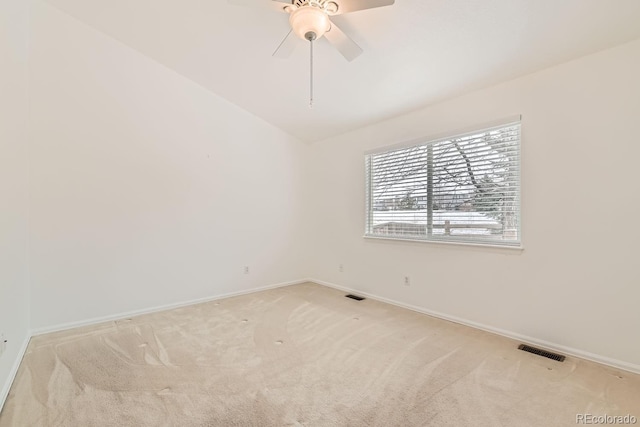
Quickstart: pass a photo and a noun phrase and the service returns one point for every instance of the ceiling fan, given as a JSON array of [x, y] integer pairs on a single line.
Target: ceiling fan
[[310, 20]]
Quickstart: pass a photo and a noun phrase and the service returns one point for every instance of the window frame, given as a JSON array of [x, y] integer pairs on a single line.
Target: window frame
[[447, 136]]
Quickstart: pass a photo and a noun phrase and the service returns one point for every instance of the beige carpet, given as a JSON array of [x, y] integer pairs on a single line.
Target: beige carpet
[[302, 356]]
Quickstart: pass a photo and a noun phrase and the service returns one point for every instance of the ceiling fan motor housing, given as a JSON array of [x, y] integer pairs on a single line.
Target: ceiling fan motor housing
[[330, 7], [318, 3]]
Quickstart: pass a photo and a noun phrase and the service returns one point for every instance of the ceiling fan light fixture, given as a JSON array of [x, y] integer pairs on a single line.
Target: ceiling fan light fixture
[[309, 19]]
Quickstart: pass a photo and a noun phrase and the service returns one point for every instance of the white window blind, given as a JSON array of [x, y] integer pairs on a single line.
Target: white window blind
[[463, 189]]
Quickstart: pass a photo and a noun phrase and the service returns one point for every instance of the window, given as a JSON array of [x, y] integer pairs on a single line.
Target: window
[[464, 189]]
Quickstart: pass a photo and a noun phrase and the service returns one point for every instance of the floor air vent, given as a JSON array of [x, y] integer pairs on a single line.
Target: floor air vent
[[542, 353], [355, 297]]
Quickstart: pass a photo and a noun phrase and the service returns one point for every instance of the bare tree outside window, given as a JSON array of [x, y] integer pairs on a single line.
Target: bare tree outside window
[[464, 188]]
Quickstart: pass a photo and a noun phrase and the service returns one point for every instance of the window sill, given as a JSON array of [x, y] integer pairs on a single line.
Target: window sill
[[518, 247]]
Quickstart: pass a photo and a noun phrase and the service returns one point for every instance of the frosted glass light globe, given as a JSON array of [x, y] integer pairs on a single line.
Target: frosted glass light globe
[[308, 19]]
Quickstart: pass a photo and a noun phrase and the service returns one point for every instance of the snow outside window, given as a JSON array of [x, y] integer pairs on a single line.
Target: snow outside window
[[463, 189]]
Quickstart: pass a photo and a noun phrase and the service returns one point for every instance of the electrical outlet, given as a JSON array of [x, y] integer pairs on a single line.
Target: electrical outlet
[[246, 269], [341, 268], [407, 281]]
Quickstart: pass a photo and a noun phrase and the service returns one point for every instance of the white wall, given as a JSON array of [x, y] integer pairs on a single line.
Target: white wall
[[14, 315], [576, 282], [147, 189]]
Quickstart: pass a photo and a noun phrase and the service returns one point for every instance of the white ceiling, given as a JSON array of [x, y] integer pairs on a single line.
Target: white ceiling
[[416, 52]]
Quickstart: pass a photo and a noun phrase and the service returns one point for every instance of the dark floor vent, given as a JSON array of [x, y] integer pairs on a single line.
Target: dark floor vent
[[355, 297], [542, 353]]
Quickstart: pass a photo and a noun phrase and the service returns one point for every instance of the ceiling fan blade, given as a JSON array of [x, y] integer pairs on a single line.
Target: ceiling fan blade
[[286, 46], [347, 47], [275, 5], [347, 6]]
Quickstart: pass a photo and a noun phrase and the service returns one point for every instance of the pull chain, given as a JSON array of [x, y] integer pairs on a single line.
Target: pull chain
[[311, 36], [311, 75]]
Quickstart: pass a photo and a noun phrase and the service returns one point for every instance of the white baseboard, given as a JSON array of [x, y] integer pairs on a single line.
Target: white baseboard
[[614, 363], [14, 371], [124, 315]]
